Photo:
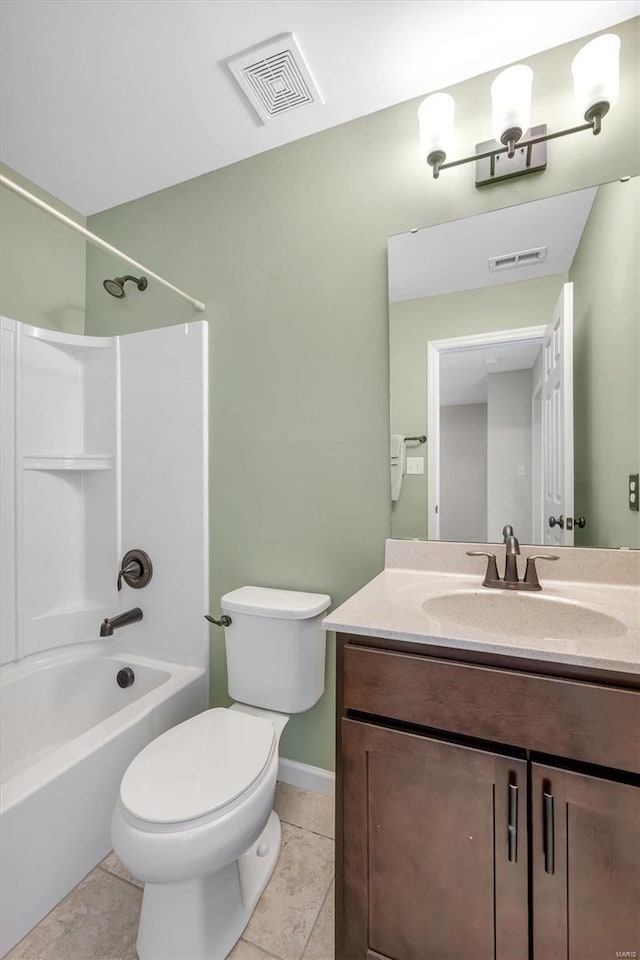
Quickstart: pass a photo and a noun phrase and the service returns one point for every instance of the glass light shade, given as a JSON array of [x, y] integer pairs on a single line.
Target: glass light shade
[[435, 120], [511, 100], [596, 72]]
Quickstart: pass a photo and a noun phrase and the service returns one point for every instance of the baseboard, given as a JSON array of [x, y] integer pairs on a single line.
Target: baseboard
[[306, 776]]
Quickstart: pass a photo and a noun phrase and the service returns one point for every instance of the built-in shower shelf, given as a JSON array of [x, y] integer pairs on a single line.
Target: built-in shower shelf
[[78, 461]]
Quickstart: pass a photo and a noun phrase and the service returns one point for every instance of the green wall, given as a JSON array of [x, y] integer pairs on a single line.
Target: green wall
[[606, 276], [42, 262], [527, 303], [288, 250]]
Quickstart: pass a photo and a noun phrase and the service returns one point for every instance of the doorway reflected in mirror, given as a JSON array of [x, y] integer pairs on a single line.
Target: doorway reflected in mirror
[[500, 451]]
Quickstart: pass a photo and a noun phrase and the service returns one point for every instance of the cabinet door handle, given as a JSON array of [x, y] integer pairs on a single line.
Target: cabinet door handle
[[512, 826], [548, 834]]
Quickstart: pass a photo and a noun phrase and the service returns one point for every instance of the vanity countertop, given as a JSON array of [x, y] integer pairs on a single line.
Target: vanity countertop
[[604, 634]]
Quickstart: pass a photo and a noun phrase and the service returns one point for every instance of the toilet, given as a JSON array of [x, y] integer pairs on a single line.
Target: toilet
[[194, 817]]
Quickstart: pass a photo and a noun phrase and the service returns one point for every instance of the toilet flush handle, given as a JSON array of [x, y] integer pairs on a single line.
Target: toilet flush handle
[[224, 620]]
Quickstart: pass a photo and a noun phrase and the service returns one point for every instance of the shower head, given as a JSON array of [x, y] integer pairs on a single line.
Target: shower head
[[116, 286]]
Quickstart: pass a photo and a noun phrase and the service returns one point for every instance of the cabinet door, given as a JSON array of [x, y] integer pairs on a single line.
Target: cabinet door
[[435, 849], [586, 866]]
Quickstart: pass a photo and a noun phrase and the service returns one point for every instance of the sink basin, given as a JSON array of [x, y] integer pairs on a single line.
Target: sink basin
[[522, 615]]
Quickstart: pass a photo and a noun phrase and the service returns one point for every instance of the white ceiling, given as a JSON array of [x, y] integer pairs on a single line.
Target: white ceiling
[[107, 100], [464, 373], [454, 256]]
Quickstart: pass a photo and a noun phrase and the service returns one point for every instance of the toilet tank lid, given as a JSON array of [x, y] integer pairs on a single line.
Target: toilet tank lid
[[268, 602]]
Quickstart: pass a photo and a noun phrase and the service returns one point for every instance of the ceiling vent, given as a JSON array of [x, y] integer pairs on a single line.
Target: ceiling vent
[[274, 77], [521, 259]]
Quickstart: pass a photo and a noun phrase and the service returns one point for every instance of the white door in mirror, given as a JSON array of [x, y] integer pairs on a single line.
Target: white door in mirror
[[557, 423]]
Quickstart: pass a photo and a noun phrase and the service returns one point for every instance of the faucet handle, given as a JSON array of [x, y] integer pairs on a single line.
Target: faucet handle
[[531, 574], [491, 576], [507, 531]]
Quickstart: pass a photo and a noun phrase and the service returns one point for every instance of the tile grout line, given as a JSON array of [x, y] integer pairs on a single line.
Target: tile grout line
[[132, 883], [316, 833], [300, 801], [313, 925], [268, 955]]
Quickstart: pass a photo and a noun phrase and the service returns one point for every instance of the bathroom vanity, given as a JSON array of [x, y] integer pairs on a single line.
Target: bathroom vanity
[[488, 800]]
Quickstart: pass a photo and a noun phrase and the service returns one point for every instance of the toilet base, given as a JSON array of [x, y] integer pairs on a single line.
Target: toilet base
[[203, 918]]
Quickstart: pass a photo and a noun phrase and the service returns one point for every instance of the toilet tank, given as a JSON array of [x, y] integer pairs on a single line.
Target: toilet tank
[[275, 647]]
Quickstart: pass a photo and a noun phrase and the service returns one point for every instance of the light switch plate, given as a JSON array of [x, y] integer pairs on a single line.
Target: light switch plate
[[415, 465]]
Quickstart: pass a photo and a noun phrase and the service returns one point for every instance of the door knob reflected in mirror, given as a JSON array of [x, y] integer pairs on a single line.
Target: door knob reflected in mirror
[[581, 522], [556, 523]]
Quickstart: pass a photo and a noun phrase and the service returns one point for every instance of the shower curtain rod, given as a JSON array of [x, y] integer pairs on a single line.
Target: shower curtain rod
[[97, 241]]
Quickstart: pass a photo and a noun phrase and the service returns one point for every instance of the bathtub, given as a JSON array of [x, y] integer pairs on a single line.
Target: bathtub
[[68, 732]]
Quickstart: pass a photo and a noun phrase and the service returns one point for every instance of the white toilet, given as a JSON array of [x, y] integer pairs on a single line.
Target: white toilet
[[194, 819]]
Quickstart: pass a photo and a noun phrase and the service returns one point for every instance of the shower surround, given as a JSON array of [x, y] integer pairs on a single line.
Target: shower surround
[[104, 449]]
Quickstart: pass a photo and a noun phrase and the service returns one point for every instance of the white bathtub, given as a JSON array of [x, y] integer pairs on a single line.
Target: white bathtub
[[68, 732]]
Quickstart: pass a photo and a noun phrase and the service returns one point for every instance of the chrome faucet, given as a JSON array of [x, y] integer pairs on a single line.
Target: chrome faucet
[[511, 581], [129, 616]]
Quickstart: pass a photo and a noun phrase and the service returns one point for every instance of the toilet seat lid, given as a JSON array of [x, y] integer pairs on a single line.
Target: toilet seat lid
[[198, 766]]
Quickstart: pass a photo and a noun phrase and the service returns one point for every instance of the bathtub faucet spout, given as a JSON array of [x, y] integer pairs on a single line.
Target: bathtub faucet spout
[[129, 616]]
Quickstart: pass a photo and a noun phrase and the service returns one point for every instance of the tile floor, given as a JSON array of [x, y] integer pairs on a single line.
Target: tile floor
[[294, 918]]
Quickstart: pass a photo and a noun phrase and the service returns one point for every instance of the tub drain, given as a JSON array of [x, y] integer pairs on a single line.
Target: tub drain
[[125, 677]]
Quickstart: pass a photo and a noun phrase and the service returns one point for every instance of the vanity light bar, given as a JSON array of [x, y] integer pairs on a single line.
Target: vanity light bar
[[524, 146], [596, 83]]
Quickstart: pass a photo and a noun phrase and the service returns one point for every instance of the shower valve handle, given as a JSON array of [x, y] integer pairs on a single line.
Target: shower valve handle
[[136, 569], [132, 569]]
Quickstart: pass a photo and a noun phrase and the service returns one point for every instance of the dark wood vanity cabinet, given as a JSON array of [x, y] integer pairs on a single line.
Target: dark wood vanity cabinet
[[586, 865], [458, 836], [427, 868]]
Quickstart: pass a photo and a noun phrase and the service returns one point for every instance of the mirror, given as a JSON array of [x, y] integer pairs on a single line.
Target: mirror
[[478, 364]]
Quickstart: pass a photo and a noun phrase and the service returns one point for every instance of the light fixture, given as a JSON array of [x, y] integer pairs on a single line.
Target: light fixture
[[435, 119], [519, 148], [596, 78], [511, 103]]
